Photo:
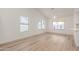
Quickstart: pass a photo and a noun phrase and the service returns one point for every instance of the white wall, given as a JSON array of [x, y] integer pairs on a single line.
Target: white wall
[[1, 30], [68, 24], [10, 23], [76, 30]]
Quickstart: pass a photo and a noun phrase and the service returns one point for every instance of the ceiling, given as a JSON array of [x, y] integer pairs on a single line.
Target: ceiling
[[58, 12]]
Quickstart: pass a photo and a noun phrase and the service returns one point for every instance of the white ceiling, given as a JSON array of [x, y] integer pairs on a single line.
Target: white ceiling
[[58, 12]]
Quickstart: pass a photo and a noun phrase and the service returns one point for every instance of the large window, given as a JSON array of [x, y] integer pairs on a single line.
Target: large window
[[23, 23], [41, 24], [58, 25]]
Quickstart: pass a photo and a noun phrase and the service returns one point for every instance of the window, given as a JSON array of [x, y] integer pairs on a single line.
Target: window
[[58, 25], [23, 23], [41, 24]]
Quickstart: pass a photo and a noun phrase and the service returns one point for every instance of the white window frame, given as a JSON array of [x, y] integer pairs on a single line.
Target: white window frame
[[58, 25], [24, 23], [41, 24]]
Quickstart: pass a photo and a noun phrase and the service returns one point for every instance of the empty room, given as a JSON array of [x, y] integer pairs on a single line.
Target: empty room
[[39, 29]]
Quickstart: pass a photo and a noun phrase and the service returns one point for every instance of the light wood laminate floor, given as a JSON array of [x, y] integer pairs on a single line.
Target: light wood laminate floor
[[43, 42]]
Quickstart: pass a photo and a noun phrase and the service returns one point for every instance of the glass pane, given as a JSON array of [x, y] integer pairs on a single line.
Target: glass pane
[[23, 28], [58, 25], [61, 25], [42, 21], [55, 25], [39, 25], [24, 19], [43, 26]]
